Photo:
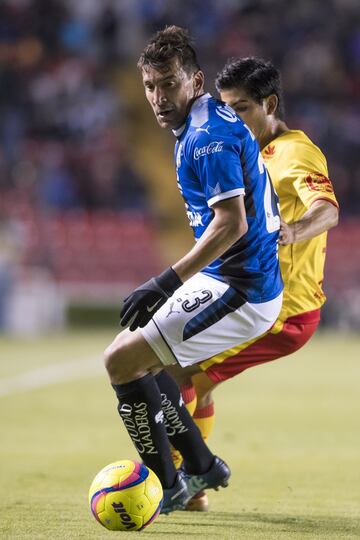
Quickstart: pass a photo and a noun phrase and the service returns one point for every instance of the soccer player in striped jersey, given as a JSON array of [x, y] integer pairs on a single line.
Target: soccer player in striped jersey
[[308, 210], [226, 290]]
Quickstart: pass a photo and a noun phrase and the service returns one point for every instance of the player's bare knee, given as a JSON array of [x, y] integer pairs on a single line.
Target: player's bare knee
[[115, 355], [121, 363]]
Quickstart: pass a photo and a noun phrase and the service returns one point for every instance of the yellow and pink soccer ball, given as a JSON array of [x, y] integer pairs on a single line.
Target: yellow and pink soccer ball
[[125, 496]]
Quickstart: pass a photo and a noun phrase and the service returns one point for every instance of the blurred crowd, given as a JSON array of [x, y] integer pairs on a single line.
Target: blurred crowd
[[63, 120], [64, 139]]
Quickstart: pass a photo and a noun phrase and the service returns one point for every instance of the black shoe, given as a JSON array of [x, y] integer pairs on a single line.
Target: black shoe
[[177, 497], [217, 476]]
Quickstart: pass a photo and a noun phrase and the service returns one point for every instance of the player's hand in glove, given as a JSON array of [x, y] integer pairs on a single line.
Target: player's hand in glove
[[144, 301]]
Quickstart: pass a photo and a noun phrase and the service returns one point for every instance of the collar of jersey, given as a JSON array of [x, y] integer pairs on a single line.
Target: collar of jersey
[[198, 101]]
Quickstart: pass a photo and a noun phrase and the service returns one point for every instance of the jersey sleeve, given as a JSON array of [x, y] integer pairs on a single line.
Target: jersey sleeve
[[309, 170], [216, 163]]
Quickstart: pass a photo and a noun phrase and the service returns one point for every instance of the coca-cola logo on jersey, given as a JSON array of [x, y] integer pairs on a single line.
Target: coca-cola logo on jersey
[[212, 148]]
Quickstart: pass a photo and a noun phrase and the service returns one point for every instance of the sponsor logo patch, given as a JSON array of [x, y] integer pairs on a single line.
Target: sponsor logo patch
[[319, 182], [195, 218], [204, 129], [159, 417], [212, 148], [226, 113], [269, 151], [120, 509]]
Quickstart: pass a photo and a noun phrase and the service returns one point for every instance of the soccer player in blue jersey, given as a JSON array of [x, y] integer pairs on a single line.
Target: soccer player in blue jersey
[[227, 289]]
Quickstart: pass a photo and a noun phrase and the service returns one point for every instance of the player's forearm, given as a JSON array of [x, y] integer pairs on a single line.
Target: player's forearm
[[213, 243], [321, 217]]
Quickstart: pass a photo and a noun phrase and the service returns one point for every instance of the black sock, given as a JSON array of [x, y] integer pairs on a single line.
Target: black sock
[[181, 429], [140, 410]]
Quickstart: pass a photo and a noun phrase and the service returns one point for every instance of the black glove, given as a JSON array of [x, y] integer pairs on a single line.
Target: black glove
[[148, 298]]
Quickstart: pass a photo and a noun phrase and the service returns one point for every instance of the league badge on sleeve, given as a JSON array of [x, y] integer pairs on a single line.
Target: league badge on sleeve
[[319, 182]]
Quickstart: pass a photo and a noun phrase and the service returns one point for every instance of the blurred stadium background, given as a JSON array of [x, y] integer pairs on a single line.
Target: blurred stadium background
[[89, 208], [88, 199]]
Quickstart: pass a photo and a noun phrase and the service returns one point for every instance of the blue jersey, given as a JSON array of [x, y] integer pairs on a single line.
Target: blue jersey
[[217, 157]]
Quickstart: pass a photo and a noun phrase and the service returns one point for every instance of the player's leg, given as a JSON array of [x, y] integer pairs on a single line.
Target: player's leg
[[189, 397], [245, 322], [195, 385], [204, 414], [295, 332], [128, 361], [211, 317], [202, 469], [204, 418], [154, 414], [181, 430]]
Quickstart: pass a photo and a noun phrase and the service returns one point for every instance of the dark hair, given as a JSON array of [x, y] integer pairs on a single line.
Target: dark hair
[[172, 42], [257, 77]]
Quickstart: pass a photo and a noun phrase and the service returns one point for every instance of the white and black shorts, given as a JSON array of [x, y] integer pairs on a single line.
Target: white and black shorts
[[203, 318]]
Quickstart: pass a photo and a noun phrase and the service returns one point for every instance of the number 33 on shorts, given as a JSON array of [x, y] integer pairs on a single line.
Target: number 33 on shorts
[[197, 298], [204, 317]]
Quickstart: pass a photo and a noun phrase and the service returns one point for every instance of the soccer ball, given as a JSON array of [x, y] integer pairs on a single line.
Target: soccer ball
[[125, 496]]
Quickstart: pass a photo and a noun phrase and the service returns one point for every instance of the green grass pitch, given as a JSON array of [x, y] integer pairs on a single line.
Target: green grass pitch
[[289, 430]]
